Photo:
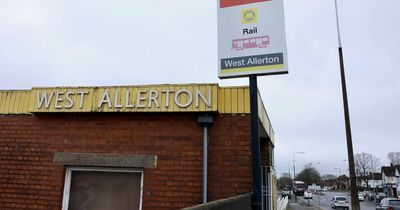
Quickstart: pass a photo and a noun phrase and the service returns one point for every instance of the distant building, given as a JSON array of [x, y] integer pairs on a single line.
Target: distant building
[[343, 182], [390, 180], [374, 181], [330, 184], [340, 183]]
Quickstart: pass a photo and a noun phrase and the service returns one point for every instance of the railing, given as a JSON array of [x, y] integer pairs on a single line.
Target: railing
[[282, 203]]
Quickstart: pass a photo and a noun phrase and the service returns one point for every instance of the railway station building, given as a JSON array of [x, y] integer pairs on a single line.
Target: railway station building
[[129, 147]]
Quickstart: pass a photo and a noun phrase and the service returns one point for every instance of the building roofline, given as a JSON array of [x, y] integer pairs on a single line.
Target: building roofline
[[224, 100]]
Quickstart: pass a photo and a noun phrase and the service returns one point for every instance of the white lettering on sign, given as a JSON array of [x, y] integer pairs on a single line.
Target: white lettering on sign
[[233, 63], [140, 98], [153, 95], [105, 99], [167, 92], [82, 94], [69, 99], [44, 98], [61, 99], [179, 102], [126, 98], [199, 95], [116, 105]]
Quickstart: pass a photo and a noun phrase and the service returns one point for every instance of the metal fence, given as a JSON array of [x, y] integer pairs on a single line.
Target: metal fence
[[282, 203]]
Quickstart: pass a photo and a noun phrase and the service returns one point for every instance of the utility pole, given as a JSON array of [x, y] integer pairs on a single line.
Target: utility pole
[[353, 187]]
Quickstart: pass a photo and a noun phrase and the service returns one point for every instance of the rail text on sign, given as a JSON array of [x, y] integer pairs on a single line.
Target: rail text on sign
[[250, 30], [117, 98]]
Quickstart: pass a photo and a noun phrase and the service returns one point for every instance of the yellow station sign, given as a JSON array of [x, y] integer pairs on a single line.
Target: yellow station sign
[[161, 98], [147, 98]]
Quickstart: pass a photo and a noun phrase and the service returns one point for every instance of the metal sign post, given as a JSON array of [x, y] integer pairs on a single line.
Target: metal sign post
[[255, 144], [251, 42]]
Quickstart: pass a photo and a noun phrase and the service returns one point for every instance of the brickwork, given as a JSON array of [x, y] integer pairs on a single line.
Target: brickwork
[[267, 149], [30, 180]]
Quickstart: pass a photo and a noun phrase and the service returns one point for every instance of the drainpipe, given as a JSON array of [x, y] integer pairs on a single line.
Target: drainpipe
[[206, 121]]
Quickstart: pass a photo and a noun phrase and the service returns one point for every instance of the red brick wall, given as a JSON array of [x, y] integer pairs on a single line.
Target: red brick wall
[[30, 180], [266, 148]]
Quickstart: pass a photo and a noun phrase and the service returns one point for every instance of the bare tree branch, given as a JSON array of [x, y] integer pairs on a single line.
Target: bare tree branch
[[394, 158], [364, 164]]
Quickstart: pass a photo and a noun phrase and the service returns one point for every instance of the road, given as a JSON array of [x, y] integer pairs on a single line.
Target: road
[[323, 201]]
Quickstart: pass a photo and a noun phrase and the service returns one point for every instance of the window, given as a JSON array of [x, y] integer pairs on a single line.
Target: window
[[394, 202], [102, 189], [341, 198]]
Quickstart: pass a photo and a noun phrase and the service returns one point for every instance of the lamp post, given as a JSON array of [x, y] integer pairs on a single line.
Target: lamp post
[[294, 172], [310, 164], [294, 166]]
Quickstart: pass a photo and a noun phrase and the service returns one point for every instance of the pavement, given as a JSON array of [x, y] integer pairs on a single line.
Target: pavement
[[301, 204]]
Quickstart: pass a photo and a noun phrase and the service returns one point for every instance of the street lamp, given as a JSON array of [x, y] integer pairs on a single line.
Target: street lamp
[[339, 186], [294, 166], [310, 164], [338, 171]]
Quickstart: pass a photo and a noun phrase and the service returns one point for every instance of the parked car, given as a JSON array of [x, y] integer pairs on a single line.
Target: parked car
[[389, 203], [360, 197], [325, 189], [379, 197], [371, 196], [285, 193], [339, 201], [365, 193], [307, 195]]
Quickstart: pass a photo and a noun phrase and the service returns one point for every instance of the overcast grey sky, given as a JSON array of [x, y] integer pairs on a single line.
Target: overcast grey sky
[[132, 42]]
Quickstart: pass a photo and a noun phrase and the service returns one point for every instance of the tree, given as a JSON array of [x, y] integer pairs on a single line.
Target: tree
[[328, 177], [285, 174], [309, 176], [394, 158], [284, 181], [365, 163], [362, 164], [375, 164]]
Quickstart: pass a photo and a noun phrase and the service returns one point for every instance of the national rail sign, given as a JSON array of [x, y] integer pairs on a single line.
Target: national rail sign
[[251, 38]]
